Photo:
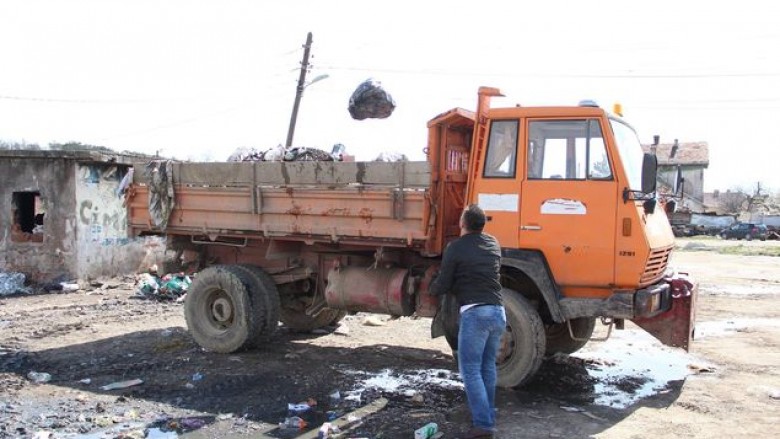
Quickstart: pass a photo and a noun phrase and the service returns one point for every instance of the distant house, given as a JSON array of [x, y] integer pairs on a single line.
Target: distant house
[[692, 158], [62, 215]]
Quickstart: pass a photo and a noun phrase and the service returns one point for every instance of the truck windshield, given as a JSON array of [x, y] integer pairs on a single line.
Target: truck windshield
[[630, 151]]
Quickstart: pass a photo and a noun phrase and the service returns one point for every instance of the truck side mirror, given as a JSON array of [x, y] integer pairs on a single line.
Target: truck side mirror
[[649, 170]]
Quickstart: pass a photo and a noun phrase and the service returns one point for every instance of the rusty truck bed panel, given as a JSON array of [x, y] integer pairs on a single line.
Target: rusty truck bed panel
[[314, 201], [304, 173]]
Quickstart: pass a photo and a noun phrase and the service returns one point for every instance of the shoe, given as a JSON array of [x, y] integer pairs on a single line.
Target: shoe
[[475, 433]]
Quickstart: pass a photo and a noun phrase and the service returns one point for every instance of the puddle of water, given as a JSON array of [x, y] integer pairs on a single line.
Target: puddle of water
[[721, 328], [632, 365], [156, 433]]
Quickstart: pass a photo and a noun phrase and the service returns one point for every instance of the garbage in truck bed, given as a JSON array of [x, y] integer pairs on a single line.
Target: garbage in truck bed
[[371, 101], [290, 154]]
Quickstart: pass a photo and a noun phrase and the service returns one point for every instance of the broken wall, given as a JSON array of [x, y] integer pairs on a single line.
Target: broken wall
[[104, 247], [50, 253]]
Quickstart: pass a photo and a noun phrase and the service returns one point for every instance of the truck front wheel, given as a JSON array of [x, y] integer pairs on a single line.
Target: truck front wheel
[[218, 310], [559, 340], [523, 344]]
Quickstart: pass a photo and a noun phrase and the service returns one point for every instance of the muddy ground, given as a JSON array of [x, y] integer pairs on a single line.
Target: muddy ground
[[392, 378]]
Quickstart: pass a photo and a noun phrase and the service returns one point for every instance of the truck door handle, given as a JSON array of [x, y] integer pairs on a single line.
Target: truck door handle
[[530, 227]]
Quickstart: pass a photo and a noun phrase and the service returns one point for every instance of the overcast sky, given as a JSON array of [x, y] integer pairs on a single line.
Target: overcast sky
[[196, 79]]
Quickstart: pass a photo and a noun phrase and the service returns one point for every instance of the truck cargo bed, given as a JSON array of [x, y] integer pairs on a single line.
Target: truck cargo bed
[[355, 202]]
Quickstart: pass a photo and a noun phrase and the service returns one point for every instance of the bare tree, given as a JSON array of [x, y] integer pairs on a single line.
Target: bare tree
[[733, 201]]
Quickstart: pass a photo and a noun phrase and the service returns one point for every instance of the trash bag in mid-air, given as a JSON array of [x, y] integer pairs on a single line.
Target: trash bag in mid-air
[[371, 101]]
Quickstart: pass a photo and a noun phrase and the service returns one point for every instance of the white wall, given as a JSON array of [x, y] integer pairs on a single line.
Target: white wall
[[104, 248]]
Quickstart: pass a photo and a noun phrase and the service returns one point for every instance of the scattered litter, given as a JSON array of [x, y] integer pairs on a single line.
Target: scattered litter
[[698, 368], [169, 287], [571, 409], [592, 416], [13, 283], [69, 287], [197, 376], [373, 321], [324, 431], [293, 422], [42, 435], [122, 384], [86, 381], [418, 398], [192, 423], [296, 409], [189, 386], [370, 100], [342, 329], [166, 333], [39, 377], [335, 397], [426, 431], [225, 416]]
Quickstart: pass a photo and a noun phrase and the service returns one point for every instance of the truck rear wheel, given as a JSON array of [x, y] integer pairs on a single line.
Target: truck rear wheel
[[523, 344], [265, 301], [559, 340], [218, 310]]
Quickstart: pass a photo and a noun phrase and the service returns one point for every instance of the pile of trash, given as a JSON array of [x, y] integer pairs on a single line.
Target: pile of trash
[[168, 287], [291, 154], [13, 283], [370, 101]]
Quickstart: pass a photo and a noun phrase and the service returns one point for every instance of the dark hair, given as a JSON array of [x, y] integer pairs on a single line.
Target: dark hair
[[474, 218]]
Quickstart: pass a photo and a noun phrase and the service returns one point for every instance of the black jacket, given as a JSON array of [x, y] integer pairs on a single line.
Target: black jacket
[[469, 270]]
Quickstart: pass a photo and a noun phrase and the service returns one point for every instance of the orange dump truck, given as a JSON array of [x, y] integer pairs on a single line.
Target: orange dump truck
[[568, 192]]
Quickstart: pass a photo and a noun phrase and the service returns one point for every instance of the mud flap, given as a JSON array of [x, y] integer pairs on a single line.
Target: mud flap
[[675, 327]]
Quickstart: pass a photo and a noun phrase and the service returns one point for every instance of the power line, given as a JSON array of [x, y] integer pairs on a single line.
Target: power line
[[453, 72]]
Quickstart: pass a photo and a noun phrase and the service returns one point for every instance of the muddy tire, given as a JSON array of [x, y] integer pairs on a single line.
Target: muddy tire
[[523, 345], [219, 311], [265, 301], [559, 340], [339, 317]]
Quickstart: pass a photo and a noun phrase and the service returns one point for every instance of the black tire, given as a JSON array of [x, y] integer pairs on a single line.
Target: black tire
[[339, 317], [523, 344], [265, 300], [559, 340], [219, 311]]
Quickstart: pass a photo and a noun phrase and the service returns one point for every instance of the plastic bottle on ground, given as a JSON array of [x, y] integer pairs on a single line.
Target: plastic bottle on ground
[[426, 431]]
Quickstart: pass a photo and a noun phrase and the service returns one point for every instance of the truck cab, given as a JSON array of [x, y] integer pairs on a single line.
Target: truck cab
[[570, 196]]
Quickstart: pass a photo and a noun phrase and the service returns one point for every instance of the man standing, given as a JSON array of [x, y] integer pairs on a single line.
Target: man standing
[[470, 271]]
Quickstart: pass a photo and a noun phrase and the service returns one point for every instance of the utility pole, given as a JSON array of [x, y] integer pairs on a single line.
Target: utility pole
[[299, 89]]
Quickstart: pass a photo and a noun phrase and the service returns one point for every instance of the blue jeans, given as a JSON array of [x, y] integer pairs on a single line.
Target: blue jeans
[[479, 337]]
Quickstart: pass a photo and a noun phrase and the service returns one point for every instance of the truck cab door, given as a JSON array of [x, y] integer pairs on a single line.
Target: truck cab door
[[569, 204], [496, 189]]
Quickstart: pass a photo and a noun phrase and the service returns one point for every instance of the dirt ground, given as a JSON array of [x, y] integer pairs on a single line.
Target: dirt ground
[[391, 379]]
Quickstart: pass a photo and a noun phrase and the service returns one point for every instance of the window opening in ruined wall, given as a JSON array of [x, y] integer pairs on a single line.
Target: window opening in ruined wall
[[28, 217]]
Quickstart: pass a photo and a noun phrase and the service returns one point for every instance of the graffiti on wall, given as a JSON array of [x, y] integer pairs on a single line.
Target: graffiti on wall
[[102, 217]]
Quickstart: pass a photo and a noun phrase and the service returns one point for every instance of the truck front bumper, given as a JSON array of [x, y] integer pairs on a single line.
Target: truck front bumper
[[667, 310]]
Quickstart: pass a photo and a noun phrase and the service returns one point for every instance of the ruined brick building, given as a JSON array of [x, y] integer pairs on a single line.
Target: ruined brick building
[[62, 215]]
